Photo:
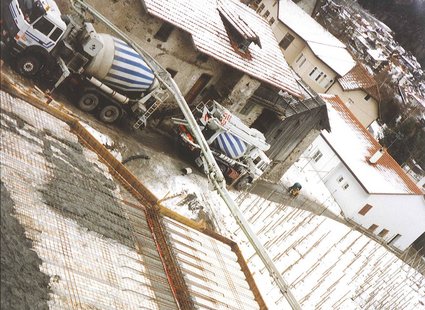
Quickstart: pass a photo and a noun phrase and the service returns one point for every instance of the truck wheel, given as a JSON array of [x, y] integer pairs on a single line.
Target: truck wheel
[[243, 183], [28, 65], [109, 114], [88, 102]]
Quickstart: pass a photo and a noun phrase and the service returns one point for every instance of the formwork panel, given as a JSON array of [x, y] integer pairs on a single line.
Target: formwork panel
[[214, 278], [67, 204]]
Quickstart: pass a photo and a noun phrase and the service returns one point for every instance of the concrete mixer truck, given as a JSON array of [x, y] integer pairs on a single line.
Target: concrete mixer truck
[[237, 148], [107, 76]]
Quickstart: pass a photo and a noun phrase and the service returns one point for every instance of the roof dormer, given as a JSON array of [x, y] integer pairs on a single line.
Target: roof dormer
[[240, 33]]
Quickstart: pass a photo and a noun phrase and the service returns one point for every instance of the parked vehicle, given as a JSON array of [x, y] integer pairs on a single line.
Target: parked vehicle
[[238, 149], [109, 76]]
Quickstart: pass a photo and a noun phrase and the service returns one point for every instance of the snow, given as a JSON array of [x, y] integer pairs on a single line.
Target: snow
[[327, 264], [312, 184], [376, 130], [104, 139], [323, 44], [322, 260]]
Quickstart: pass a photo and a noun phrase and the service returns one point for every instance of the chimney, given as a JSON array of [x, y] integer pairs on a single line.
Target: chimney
[[375, 157]]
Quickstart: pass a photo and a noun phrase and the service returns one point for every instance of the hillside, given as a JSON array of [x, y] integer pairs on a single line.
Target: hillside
[[406, 19]]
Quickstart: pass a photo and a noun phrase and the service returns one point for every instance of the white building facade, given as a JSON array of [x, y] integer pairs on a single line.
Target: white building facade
[[379, 197]]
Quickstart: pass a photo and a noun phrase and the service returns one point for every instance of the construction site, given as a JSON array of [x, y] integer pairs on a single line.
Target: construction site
[[95, 216]]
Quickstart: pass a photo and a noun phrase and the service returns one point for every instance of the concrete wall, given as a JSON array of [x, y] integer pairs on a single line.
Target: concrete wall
[[239, 96], [365, 110]]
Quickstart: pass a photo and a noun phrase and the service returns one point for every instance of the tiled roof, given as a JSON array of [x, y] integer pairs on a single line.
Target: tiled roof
[[202, 20], [360, 78], [355, 145], [323, 44]]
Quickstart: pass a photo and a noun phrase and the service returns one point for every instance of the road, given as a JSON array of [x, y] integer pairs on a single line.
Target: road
[[279, 193]]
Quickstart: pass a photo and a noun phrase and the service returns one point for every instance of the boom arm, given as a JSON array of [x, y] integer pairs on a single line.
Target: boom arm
[[212, 170], [226, 121]]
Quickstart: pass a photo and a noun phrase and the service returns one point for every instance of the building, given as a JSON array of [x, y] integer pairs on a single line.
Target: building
[[316, 55], [320, 59], [360, 93], [371, 189]]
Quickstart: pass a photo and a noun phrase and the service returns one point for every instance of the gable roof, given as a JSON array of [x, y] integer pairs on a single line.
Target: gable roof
[[202, 20], [360, 78], [322, 43], [355, 145]]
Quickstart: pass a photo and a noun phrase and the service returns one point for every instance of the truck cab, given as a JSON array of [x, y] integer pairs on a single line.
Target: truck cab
[[38, 23], [31, 29]]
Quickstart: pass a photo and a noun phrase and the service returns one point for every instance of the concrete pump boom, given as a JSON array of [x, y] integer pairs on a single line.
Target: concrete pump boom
[[210, 165]]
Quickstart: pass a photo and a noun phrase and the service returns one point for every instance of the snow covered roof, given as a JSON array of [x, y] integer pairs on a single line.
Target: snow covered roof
[[355, 145], [203, 20], [377, 54], [359, 78], [323, 44]]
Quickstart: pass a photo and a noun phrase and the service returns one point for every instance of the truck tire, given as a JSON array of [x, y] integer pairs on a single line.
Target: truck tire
[[243, 183], [88, 102], [109, 114], [28, 65]]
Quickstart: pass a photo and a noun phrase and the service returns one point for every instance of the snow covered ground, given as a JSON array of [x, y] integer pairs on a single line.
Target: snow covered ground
[[327, 264]]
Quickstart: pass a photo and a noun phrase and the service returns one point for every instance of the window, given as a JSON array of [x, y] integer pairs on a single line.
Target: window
[[271, 21], [367, 97], [164, 32], [56, 34], [299, 58], [266, 14], [312, 71], [317, 156], [44, 26], [260, 8], [319, 76], [345, 186], [394, 239], [329, 83], [323, 78], [172, 72], [202, 57], [383, 233], [372, 227], [365, 209], [286, 41], [340, 179]]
